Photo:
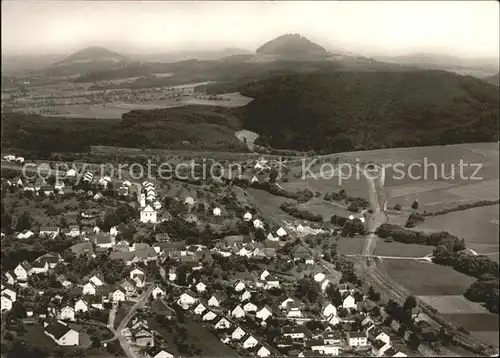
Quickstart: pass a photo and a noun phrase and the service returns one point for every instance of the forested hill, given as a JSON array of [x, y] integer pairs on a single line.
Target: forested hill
[[342, 111]]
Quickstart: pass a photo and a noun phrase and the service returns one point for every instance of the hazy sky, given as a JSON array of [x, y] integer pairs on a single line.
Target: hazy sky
[[459, 28]]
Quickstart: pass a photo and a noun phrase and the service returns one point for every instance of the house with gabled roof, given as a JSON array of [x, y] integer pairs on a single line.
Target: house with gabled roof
[[245, 296], [357, 339], [199, 308], [209, 316], [222, 323], [238, 333], [239, 286], [238, 312], [118, 295], [157, 292], [264, 313], [216, 299], [296, 332], [249, 341], [263, 350], [22, 271], [89, 288], [61, 333], [249, 307], [187, 299], [39, 267]]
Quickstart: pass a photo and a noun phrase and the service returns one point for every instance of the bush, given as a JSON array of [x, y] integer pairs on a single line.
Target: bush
[[397, 207]]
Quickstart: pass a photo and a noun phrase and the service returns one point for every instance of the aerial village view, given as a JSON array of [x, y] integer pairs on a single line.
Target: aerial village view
[[290, 201]]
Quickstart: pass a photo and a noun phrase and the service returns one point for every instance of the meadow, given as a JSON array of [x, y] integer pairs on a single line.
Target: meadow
[[478, 226]]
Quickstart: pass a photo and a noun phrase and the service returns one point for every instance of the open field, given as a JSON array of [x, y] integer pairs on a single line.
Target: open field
[[427, 278], [478, 226], [354, 246]]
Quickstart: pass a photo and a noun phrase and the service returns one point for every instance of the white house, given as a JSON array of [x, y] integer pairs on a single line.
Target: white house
[[250, 342], [81, 306], [272, 282], [97, 280], [136, 272], [270, 237], [6, 303], [163, 354], [245, 296], [263, 351], [62, 334], [200, 287], [239, 286], [186, 300], [349, 302], [281, 232], [199, 309], [71, 173], [238, 334], [238, 312], [22, 271], [10, 277], [325, 349], [264, 313], [157, 292], [217, 212], [284, 303], [248, 216], [319, 277], [148, 215], [41, 266], [357, 339], [250, 307], [118, 295], [89, 289], [329, 310], [324, 284], [333, 320], [258, 224], [67, 313], [264, 274], [10, 293], [215, 300], [209, 316], [223, 323], [295, 332]]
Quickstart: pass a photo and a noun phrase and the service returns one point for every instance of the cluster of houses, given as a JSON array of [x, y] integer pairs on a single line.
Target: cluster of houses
[[230, 322]]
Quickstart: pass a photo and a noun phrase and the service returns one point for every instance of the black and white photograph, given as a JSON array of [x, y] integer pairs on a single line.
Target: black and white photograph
[[250, 179]]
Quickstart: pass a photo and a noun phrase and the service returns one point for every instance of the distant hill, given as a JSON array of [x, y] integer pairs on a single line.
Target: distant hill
[[87, 60], [345, 111], [493, 79], [292, 45], [92, 54], [175, 56]]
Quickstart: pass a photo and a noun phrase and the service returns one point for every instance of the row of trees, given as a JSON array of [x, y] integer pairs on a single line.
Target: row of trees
[[292, 210], [399, 234]]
